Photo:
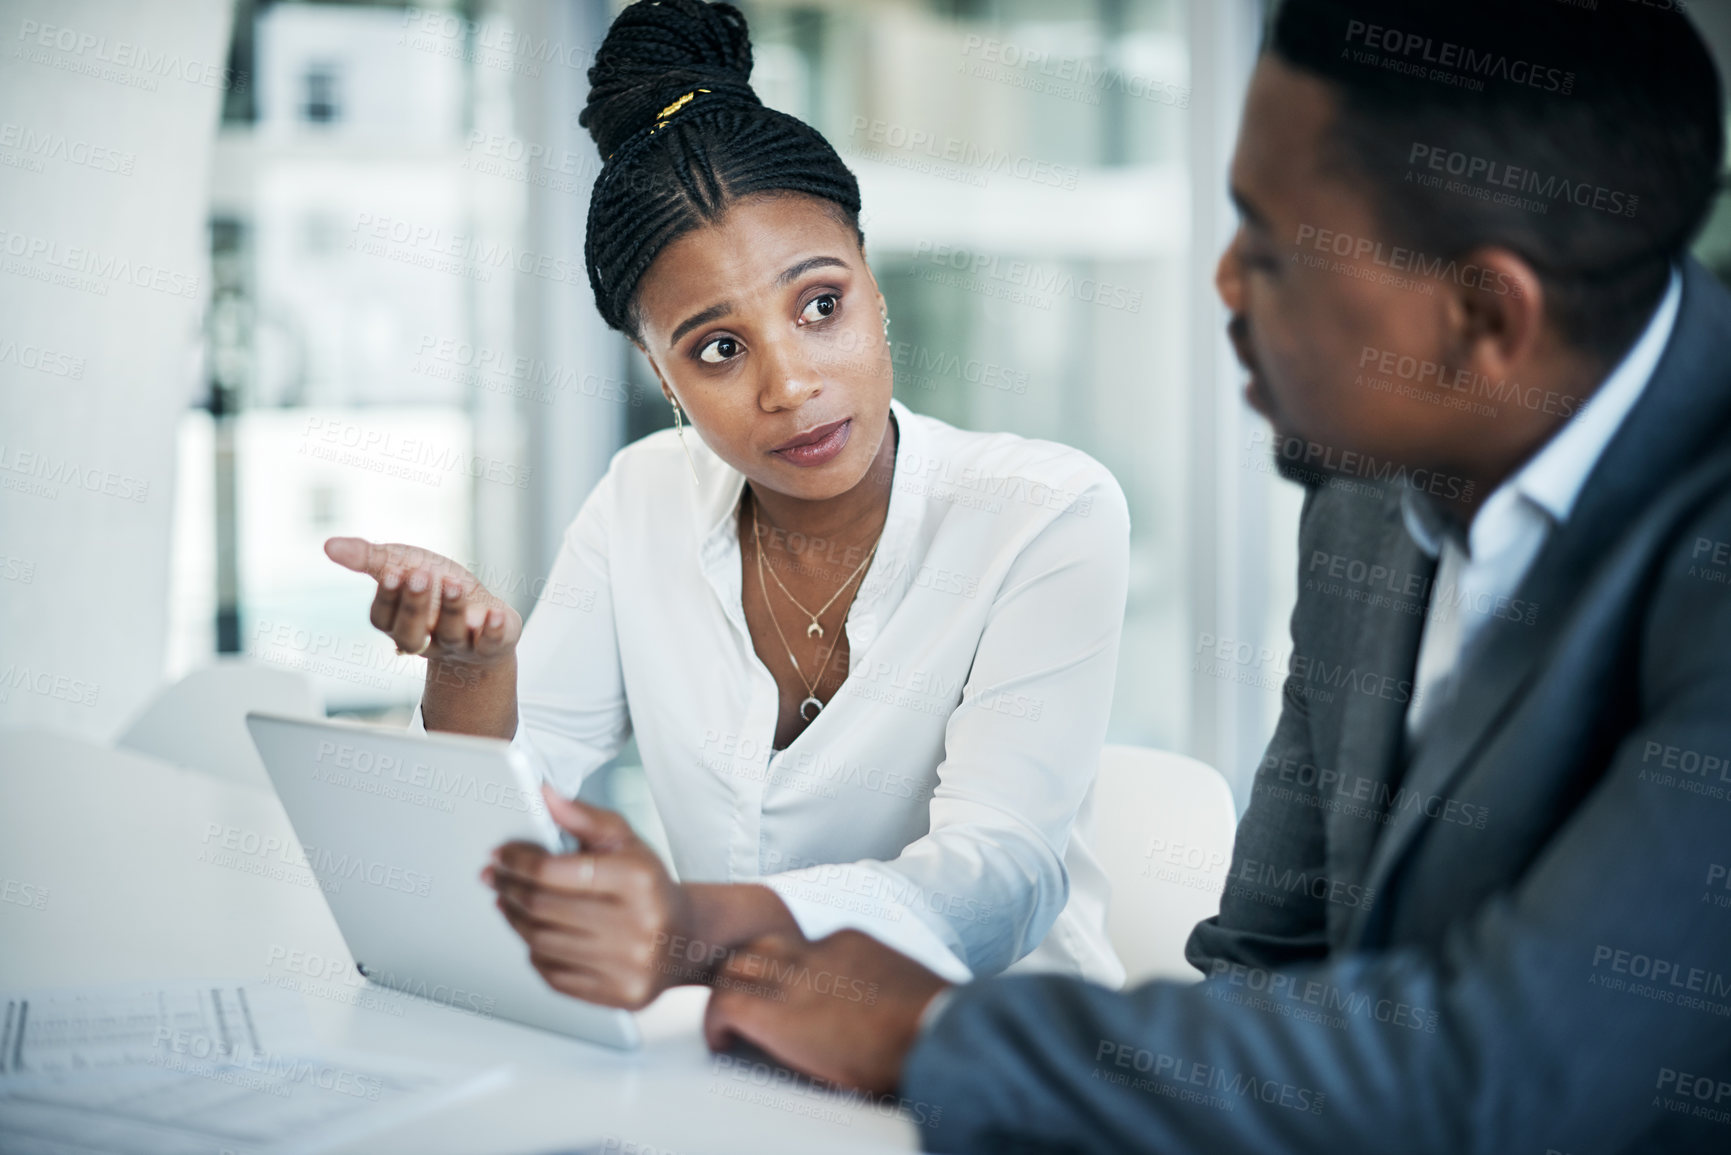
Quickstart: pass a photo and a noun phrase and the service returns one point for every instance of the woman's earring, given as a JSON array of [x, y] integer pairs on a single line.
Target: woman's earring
[[886, 324], [679, 425]]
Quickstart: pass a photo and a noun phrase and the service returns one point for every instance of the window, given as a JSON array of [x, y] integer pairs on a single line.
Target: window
[[1044, 201], [322, 104]]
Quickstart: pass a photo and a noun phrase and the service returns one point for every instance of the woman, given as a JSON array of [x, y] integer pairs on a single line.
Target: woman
[[868, 657]]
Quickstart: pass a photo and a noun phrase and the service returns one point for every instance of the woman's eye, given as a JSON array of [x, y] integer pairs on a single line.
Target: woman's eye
[[719, 350], [819, 308]]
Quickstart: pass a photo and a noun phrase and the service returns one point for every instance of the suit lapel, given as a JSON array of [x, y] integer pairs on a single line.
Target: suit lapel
[[1681, 413], [1491, 678], [1372, 727]]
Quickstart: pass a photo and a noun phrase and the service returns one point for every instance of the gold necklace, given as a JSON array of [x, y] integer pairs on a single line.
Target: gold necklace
[[814, 629], [811, 699]]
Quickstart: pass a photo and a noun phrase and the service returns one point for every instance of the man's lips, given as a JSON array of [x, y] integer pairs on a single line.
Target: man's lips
[[1238, 333], [1256, 396], [1255, 391], [811, 436]]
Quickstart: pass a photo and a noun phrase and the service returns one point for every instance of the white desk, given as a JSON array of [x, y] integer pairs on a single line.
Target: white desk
[[138, 887]]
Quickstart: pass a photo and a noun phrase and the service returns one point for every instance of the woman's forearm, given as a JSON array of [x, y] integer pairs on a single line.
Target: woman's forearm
[[472, 699], [720, 916]]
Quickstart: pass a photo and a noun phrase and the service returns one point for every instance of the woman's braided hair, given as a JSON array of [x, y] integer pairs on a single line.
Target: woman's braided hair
[[668, 171]]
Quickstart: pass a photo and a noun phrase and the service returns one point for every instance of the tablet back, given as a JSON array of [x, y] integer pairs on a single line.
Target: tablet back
[[397, 828]]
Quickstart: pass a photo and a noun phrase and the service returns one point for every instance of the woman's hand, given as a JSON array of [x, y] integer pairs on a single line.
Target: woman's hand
[[608, 925], [430, 605]]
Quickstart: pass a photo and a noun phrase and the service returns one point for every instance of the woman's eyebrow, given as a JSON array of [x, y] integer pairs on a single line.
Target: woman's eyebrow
[[807, 266], [714, 312]]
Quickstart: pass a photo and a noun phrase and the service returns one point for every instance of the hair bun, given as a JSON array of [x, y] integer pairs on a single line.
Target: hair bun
[[655, 52]]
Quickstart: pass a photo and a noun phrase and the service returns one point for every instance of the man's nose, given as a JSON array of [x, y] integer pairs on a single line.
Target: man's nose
[[1228, 278]]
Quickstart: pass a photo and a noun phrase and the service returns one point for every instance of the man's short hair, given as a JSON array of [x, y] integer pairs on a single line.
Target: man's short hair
[[1588, 139]]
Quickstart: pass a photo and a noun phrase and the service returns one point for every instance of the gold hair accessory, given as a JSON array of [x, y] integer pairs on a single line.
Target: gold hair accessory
[[667, 113]]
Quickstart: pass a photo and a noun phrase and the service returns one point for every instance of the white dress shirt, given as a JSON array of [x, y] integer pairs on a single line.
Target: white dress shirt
[[1478, 581], [942, 799]]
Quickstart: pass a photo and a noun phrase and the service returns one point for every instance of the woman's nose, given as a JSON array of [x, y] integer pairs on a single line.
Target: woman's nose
[[789, 380]]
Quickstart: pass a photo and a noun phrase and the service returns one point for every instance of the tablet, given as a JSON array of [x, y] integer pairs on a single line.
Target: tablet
[[397, 828]]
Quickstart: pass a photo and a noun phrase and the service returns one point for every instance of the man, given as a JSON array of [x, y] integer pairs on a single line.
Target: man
[[1478, 901]]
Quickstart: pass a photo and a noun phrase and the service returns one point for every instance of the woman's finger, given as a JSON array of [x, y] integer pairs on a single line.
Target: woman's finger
[[598, 945], [593, 876], [589, 985], [425, 599], [386, 600], [490, 639], [356, 553], [597, 828], [568, 942], [375, 558], [409, 629], [539, 906], [451, 630]]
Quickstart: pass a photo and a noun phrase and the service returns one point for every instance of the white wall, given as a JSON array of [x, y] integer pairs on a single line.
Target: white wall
[[107, 116], [1242, 519]]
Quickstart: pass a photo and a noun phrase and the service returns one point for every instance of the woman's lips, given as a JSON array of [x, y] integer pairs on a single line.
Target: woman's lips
[[820, 451]]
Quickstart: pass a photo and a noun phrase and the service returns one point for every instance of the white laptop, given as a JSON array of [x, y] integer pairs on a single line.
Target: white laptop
[[397, 828]]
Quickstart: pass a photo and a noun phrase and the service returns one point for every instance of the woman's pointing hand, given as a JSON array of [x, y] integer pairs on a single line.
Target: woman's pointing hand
[[429, 604]]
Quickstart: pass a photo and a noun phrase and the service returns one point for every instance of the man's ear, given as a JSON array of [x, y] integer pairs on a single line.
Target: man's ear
[[1495, 311]]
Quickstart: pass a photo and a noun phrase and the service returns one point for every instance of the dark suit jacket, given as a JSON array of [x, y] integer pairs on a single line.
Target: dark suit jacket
[[1520, 942]]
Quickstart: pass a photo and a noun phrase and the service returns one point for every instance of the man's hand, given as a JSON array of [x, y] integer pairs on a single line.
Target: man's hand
[[599, 924], [845, 1009]]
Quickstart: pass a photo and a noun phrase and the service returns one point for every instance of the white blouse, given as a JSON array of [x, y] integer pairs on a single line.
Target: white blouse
[[942, 801]]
